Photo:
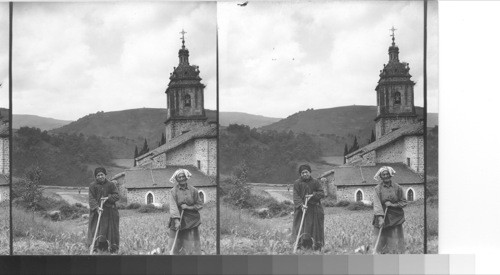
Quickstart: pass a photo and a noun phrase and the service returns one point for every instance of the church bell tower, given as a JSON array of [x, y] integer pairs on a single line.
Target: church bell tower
[[395, 101], [185, 102]]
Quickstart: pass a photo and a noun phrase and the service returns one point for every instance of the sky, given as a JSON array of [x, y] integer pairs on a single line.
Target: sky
[[4, 55], [278, 58], [73, 59]]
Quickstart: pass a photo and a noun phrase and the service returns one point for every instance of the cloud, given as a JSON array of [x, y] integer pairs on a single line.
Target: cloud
[[279, 58], [72, 59]]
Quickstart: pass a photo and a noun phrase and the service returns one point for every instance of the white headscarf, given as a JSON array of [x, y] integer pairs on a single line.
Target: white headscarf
[[382, 169], [180, 171]]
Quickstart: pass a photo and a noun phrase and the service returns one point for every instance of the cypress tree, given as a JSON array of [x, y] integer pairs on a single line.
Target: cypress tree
[[145, 147], [372, 139]]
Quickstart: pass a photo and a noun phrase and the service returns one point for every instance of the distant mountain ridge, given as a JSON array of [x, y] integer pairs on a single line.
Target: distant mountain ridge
[[254, 121], [43, 123]]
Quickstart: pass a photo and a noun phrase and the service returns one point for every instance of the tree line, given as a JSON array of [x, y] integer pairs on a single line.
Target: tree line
[[267, 156], [62, 158]]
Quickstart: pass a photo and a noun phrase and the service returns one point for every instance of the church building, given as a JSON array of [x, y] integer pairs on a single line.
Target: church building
[[399, 139], [191, 143]]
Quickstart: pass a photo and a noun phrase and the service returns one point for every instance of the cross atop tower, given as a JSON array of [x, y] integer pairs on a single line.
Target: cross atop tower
[[183, 32], [392, 29]]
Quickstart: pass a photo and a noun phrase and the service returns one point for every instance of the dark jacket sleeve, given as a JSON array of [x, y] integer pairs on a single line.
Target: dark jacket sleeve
[[93, 204], [318, 192], [113, 195], [297, 200]]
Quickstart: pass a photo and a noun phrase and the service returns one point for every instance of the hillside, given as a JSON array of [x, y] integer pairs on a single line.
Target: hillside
[[43, 123], [335, 127], [123, 130], [254, 121]]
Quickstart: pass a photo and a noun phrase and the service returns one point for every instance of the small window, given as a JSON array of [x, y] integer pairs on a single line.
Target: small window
[[199, 165], [359, 195], [187, 101], [410, 195], [397, 98], [201, 196], [149, 198], [408, 162]]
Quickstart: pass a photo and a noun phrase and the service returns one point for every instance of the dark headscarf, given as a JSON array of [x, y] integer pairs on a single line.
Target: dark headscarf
[[99, 170], [304, 167]]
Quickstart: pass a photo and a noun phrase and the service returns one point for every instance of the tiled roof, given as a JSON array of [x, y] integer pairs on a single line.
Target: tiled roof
[[4, 180], [407, 130], [363, 175], [202, 132], [157, 178]]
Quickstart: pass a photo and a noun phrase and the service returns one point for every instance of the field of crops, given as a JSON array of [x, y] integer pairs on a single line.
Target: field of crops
[[345, 231], [4, 228], [140, 233]]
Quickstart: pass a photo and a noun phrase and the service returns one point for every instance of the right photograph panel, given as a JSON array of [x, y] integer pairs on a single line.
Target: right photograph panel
[[321, 146]]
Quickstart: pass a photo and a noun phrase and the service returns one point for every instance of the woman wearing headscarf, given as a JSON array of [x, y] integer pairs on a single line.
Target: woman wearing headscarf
[[185, 202], [108, 236], [313, 234], [389, 216]]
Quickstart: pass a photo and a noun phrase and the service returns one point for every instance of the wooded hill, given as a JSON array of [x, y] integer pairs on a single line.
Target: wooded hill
[[332, 128]]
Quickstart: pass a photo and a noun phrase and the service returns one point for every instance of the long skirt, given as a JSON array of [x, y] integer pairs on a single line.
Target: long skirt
[[188, 242], [108, 235], [392, 240], [312, 234]]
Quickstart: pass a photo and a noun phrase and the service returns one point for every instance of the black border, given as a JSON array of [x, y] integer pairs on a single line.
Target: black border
[[217, 177], [11, 248], [425, 127]]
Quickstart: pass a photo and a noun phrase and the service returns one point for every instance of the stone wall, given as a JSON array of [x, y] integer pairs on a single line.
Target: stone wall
[[386, 125], [162, 195], [366, 159], [349, 192], [206, 152], [414, 148], [175, 128], [392, 152], [4, 156], [181, 155], [4, 193]]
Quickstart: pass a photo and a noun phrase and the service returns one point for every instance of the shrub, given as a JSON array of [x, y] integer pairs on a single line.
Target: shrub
[[148, 208], [71, 211], [355, 206], [277, 209], [134, 205], [342, 203], [328, 202]]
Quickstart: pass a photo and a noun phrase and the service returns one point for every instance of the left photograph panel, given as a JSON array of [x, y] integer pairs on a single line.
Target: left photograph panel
[[114, 128], [4, 132]]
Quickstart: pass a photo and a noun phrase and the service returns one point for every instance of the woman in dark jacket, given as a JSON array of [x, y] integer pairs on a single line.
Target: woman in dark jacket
[[313, 232], [108, 236]]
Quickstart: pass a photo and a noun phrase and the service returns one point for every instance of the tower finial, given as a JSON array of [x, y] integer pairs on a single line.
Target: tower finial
[[392, 29], [183, 32]]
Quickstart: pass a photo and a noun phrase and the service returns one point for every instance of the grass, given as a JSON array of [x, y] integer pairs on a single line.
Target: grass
[[345, 230], [4, 228], [140, 233]]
